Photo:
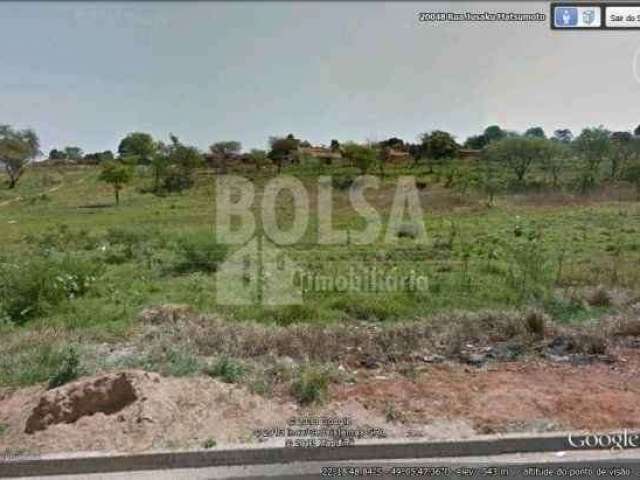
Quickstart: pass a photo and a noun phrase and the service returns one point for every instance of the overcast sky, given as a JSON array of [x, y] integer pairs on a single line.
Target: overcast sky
[[85, 74]]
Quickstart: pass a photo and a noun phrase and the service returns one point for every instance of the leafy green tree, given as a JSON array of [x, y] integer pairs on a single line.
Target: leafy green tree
[[563, 135], [494, 133], [223, 151], [632, 175], [624, 148], [361, 156], [98, 158], [73, 153], [17, 149], [56, 154], [535, 132], [393, 142], [439, 145], [554, 161], [182, 163], [636, 132], [117, 174], [518, 154], [335, 145], [593, 146], [139, 145], [477, 142], [282, 149]]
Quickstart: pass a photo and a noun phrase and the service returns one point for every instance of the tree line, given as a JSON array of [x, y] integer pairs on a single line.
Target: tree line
[[173, 163]]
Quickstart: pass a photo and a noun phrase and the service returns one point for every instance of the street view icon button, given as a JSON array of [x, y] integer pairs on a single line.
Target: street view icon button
[[577, 17]]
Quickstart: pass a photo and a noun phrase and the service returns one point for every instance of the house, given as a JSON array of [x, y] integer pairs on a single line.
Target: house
[[472, 153], [326, 155], [393, 155]]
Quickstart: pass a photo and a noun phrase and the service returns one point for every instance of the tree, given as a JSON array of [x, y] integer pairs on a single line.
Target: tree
[[223, 151], [555, 160], [17, 149], [624, 147], [518, 154], [477, 142], [563, 135], [362, 156], [636, 132], [98, 158], [73, 153], [439, 145], [535, 132], [139, 145], [593, 145], [116, 174], [494, 133], [56, 154], [335, 145], [632, 174], [282, 149], [182, 161], [393, 142], [160, 162]]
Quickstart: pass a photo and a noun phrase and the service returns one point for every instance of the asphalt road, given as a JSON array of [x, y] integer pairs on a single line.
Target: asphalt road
[[460, 467]]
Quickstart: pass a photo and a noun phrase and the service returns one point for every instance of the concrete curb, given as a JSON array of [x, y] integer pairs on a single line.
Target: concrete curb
[[75, 465]]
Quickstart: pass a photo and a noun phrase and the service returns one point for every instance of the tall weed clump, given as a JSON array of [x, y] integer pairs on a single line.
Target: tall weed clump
[[34, 286]]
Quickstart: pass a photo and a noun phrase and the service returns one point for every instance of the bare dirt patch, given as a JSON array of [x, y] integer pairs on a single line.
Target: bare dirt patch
[[443, 400]]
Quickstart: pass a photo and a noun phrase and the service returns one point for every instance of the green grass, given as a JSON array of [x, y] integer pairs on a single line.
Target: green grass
[[152, 250]]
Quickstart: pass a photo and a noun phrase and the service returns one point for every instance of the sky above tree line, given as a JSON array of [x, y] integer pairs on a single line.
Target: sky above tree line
[[86, 74]]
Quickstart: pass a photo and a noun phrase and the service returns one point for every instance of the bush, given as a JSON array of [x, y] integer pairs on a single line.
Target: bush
[[200, 253], [62, 239], [408, 230], [342, 182], [29, 288], [227, 369], [68, 370], [125, 244], [310, 386]]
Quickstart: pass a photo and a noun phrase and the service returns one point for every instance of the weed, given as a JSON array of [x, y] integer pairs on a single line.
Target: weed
[[408, 230], [209, 443], [311, 385], [180, 363], [32, 287], [200, 252], [68, 370], [392, 413], [227, 369]]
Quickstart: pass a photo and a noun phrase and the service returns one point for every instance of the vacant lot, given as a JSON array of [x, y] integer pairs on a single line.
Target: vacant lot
[[88, 287]]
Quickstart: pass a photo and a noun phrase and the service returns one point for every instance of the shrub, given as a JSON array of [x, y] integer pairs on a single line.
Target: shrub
[[311, 385], [181, 363], [209, 443], [62, 239], [200, 253], [68, 370], [29, 288], [343, 182], [408, 230], [227, 369]]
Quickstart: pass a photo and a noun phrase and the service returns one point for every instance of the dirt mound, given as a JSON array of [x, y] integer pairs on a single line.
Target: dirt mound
[[167, 413], [107, 394]]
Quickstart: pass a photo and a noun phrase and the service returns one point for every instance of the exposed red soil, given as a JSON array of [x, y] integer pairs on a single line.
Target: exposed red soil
[[504, 396], [447, 400]]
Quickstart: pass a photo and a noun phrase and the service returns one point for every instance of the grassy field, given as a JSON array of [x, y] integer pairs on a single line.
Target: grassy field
[[77, 269]]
